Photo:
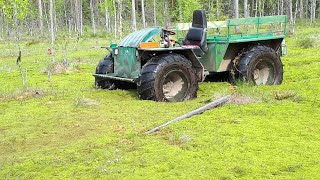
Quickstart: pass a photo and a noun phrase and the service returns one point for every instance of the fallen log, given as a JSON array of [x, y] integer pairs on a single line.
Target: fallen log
[[214, 104]]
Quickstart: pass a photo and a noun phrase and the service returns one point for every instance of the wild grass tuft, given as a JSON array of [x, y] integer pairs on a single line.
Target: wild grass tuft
[[307, 42]]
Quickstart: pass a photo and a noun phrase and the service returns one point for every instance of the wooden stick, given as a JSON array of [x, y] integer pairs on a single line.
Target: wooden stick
[[214, 104]]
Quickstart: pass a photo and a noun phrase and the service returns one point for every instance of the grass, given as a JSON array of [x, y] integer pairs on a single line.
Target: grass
[[65, 128]]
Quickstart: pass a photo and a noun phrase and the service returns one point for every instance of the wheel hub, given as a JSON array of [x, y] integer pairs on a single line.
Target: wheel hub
[[263, 73], [174, 86]]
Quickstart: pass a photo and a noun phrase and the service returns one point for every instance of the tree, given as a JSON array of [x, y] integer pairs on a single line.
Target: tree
[[291, 23], [236, 9], [236, 13], [40, 16], [92, 7], [115, 19], [143, 14], [301, 9], [134, 23], [52, 31], [120, 17], [245, 9], [154, 13]]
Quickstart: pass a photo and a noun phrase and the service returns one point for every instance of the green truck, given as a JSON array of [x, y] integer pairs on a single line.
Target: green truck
[[164, 69]]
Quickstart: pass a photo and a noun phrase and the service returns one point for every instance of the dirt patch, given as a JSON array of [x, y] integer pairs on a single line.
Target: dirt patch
[[23, 95], [62, 67], [285, 95], [240, 99], [87, 102]]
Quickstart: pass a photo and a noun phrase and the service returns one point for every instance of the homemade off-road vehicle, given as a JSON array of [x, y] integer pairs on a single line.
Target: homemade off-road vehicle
[[167, 70]]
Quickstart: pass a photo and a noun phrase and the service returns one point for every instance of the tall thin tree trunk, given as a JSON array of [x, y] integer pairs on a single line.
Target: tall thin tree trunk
[[81, 18], [313, 7], [306, 8], [245, 8], [55, 21], [93, 21], [295, 16], [120, 17], [252, 8], [107, 19], [46, 16], [281, 8], [301, 9], [154, 13], [291, 25], [256, 12], [40, 16], [262, 9], [311, 11], [236, 13], [217, 9], [236, 9], [134, 21], [115, 19], [76, 14], [259, 8], [143, 14], [278, 5], [52, 31], [166, 21]]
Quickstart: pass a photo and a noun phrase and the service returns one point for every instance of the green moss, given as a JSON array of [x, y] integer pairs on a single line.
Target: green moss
[[60, 134]]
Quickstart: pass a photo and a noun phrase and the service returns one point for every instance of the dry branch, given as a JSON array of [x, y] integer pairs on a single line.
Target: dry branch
[[214, 104]]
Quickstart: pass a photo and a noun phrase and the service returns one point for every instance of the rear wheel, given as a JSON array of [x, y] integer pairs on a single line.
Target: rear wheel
[[260, 65], [168, 77]]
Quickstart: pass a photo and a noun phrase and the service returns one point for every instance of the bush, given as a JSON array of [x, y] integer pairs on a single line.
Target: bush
[[307, 42]]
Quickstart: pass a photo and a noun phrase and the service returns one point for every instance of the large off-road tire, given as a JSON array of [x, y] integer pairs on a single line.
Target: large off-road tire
[[259, 65], [105, 66], [168, 77]]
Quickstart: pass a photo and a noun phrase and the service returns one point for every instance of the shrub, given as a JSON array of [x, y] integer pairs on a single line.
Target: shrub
[[307, 42]]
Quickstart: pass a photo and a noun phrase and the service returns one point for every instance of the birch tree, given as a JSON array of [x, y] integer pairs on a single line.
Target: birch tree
[[143, 14], [120, 17], [245, 8], [291, 23], [40, 16], [134, 21], [92, 7], [154, 13], [301, 9], [52, 31], [236, 12]]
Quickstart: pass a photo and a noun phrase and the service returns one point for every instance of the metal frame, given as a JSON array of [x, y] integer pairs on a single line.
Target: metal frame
[[233, 37]]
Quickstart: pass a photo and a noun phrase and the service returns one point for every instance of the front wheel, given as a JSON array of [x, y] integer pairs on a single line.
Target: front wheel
[[105, 66], [168, 77], [260, 65]]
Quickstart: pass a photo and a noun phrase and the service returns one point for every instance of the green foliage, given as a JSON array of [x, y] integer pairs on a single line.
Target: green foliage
[[188, 6], [15, 8], [307, 42]]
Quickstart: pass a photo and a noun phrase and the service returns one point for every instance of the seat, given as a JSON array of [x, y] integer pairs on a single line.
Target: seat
[[197, 35]]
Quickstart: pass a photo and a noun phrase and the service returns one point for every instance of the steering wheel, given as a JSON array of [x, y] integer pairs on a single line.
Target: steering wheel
[[169, 32]]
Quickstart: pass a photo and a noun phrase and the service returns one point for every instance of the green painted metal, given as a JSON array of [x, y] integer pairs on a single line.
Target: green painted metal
[[212, 59], [126, 64], [220, 51], [135, 38]]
